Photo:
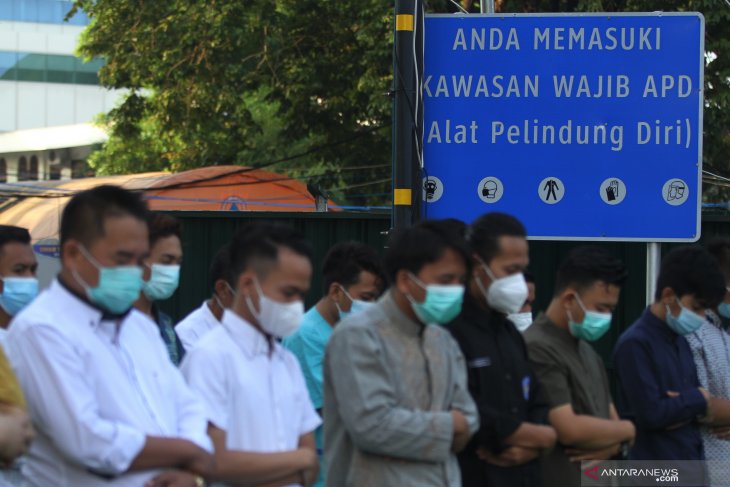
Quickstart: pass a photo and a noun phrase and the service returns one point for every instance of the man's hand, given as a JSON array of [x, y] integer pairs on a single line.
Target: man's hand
[[174, 478], [16, 434], [511, 457], [461, 431], [200, 463], [577, 455], [721, 432], [310, 472], [709, 414]]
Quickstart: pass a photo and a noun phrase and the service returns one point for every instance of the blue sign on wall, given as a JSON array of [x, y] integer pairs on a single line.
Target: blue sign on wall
[[583, 126]]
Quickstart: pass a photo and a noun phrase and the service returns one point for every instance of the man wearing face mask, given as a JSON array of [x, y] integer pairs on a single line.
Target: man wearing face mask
[[161, 278], [571, 373], [523, 318], [710, 346], [352, 282], [260, 416], [512, 412], [109, 406], [18, 265], [659, 388], [18, 287], [397, 408], [208, 316]]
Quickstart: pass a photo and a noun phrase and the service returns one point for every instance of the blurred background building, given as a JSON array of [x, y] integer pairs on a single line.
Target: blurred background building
[[48, 95]]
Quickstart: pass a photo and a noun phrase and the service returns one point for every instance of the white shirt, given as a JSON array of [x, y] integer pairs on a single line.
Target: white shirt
[[95, 389], [195, 325], [259, 399]]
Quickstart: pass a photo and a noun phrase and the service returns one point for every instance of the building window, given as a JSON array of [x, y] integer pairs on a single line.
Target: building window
[[79, 169], [43, 11], [48, 68], [54, 172], [3, 171], [33, 176], [22, 169]]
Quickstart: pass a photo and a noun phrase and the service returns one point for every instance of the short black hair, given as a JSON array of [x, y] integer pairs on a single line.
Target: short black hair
[[12, 234], [483, 235], [345, 261], [259, 243], [162, 225], [220, 266], [587, 265], [84, 216], [529, 276], [423, 243], [719, 248], [692, 270]]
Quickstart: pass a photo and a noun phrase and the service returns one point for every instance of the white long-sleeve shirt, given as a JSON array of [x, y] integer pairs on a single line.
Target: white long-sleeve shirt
[[95, 389], [195, 325]]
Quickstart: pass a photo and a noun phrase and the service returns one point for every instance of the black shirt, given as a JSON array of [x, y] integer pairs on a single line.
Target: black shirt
[[504, 389]]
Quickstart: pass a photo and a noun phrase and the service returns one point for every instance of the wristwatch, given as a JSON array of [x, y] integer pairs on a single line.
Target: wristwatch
[[623, 450]]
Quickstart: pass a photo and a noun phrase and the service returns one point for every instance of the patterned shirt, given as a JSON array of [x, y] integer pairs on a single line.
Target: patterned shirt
[[710, 347], [167, 330]]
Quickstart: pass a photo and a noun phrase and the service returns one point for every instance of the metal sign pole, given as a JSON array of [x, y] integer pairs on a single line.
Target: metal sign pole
[[653, 261], [408, 111], [486, 6]]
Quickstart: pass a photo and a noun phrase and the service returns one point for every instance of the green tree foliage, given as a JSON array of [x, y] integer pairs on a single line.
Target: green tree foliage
[[303, 82]]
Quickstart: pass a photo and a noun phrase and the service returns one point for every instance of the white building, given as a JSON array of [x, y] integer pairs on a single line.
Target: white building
[[48, 95]]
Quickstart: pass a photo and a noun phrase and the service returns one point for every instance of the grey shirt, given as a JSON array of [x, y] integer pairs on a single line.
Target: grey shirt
[[389, 386]]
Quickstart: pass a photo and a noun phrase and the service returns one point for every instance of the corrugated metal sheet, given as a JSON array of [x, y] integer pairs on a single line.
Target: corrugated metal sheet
[[205, 232]]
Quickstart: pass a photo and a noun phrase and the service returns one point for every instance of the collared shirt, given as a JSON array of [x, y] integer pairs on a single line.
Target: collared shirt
[[710, 347], [253, 389], [195, 325], [308, 345], [389, 386], [95, 389], [651, 359], [174, 346], [505, 390], [570, 372]]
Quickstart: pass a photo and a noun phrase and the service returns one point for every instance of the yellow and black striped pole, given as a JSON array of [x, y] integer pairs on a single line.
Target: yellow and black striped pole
[[408, 112]]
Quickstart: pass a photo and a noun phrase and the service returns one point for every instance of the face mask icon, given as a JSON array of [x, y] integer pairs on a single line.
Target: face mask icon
[[430, 186], [675, 191], [489, 189]]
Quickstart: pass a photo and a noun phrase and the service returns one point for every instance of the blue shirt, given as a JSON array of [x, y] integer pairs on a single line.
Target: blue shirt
[[308, 344], [651, 359]]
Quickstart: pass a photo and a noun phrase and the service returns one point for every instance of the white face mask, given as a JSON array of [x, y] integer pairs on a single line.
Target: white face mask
[[521, 320], [276, 319], [506, 294]]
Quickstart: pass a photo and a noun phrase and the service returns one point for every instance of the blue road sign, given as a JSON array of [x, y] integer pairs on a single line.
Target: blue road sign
[[583, 126]]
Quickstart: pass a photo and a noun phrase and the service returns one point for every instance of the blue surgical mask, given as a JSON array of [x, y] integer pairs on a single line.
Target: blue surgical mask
[[442, 303], [687, 322], [724, 308], [357, 306], [118, 287], [593, 326], [163, 282], [17, 293]]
